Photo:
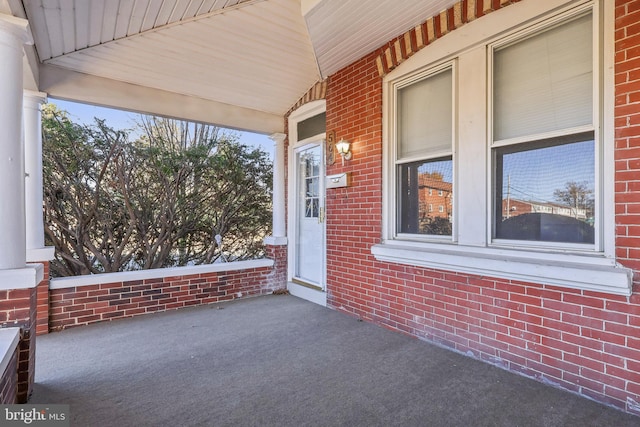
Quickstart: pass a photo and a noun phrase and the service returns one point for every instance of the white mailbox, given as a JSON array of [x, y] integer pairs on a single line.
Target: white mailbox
[[338, 180]]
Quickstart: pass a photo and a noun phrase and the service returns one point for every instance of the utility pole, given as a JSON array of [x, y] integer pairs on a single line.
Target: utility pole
[[508, 196]]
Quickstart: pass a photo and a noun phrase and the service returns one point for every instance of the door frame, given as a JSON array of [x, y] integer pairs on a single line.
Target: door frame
[[304, 112], [298, 213]]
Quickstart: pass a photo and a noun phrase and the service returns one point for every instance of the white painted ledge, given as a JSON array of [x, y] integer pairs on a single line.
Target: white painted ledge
[[9, 338], [21, 278], [584, 272], [275, 241], [125, 276], [312, 295], [46, 253]]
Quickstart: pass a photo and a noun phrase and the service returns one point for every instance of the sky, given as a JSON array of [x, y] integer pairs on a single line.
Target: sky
[[119, 119]]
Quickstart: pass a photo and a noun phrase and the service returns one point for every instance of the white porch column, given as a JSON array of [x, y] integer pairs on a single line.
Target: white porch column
[[13, 34], [279, 234], [36, 251], [14, 272]]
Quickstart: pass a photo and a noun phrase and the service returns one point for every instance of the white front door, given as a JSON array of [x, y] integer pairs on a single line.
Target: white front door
[[309, 257]]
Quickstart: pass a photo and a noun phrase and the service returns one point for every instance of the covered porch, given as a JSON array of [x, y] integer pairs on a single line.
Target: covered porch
[[280, 360], [564, 313]]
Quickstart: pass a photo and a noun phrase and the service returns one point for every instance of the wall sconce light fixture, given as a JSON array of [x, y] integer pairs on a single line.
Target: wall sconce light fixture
[[343, 148]]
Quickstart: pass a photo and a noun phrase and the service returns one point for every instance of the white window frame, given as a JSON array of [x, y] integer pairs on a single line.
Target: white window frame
[[471, 249], [557, 20], [421, 75]]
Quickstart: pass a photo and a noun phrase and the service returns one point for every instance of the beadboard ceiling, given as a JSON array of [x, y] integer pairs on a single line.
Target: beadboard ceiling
[[250, 59]]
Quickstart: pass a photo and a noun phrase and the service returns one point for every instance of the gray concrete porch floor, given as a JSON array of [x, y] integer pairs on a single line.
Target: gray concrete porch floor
[[282, 361]]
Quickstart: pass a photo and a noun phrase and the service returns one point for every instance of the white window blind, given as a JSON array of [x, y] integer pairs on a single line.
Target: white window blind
[[425, 116], [544, 83]]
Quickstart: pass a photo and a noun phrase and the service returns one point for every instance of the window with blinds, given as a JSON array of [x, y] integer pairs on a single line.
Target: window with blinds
[[515, 117], [544, 146], [424, 158]]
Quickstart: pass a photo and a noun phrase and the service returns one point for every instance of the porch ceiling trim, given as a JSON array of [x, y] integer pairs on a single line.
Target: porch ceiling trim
[[70, 85]]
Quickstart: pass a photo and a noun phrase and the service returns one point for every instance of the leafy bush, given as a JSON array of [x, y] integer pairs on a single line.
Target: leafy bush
[[159, 201]]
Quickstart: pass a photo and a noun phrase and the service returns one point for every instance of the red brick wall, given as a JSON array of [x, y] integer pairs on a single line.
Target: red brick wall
[[582, 341], [18, 308], [9, 381], [627, 119], [83, 305], [354, 213]]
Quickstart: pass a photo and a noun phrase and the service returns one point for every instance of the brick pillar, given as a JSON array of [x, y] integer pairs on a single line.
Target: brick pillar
[[42, 319], [278, 253], [18, 309]]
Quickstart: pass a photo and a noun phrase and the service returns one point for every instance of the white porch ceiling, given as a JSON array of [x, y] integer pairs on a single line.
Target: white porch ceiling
[[345, 31], [235, 63]]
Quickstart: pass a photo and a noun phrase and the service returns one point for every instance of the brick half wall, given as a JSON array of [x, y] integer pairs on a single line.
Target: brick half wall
[[77, 301], [9, 380], [9, 354], [18, 310]]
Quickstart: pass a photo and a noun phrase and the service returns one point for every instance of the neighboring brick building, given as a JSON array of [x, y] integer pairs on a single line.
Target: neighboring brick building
[[515, 207], [436, 196]]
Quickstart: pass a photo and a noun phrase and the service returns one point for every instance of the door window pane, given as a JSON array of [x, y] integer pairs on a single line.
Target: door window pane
[[310, 169], [312, 126]]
